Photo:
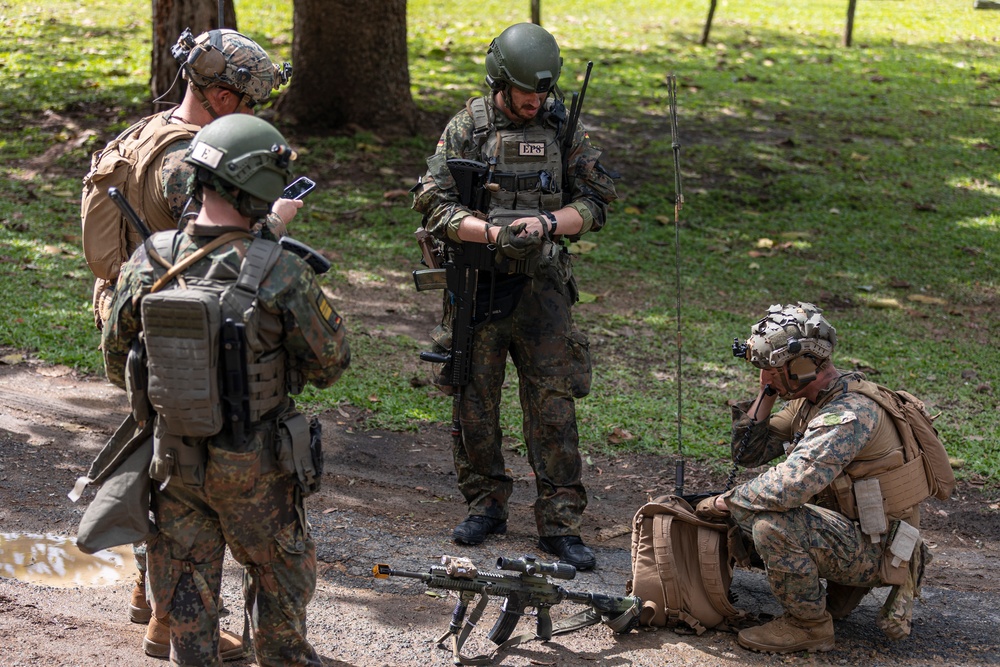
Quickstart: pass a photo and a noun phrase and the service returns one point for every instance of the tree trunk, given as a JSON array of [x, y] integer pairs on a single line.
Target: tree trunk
[[849, 28], [350, 66], [170, 18]]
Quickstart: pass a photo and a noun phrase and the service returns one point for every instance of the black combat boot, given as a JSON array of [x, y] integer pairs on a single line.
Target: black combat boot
[[570, 549], [475, 529]]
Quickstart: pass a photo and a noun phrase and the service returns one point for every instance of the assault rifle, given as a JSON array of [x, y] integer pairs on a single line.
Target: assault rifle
[[523, 583], [462, 267]]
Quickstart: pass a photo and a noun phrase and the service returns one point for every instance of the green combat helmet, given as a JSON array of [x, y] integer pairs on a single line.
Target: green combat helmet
[[232, 60], [244, 152], [525, 56], [789, 332]]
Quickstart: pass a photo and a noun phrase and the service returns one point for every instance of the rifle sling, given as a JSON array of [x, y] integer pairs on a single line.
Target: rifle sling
[[194, 257]]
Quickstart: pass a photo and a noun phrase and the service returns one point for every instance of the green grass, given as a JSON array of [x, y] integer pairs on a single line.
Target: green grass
[[863, 179]]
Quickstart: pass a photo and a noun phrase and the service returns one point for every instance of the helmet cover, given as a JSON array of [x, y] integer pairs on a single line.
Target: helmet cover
[[788, 332], [230, 59]]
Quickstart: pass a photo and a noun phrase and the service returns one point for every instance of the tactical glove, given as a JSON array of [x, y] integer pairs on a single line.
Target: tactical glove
[[706, 509], [512, 246]]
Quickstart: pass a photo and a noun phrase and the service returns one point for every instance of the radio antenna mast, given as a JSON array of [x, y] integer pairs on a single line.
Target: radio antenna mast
[[678, 205]]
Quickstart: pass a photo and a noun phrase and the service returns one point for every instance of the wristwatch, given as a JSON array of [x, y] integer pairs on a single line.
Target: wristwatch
[[552, 219]]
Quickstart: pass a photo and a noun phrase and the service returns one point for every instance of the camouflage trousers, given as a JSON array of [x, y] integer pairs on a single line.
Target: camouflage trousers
[[553, 365], [262, 519], [803, 545]]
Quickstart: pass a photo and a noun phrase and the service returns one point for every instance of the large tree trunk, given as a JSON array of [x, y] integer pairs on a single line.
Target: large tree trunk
[[350, 66], [170, 17]]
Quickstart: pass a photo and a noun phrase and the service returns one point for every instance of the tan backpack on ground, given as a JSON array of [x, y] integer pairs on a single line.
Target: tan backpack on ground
[[681, 568]]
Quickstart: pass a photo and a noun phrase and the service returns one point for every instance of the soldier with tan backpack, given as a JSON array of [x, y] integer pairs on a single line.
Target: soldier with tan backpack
[[839, 516]]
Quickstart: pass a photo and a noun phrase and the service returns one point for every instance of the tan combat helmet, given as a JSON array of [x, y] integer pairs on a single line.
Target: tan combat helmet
[[232, 60], [788, 332]]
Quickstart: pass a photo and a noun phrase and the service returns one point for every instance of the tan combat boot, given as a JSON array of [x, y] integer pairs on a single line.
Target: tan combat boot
[[138, 607], [787, 634], [156, 643]]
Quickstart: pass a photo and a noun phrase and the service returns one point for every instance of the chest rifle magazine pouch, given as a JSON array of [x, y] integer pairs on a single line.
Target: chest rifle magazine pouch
[[181, 329]]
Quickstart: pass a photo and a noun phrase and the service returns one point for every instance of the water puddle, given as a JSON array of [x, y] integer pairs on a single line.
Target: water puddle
[[54, 560]]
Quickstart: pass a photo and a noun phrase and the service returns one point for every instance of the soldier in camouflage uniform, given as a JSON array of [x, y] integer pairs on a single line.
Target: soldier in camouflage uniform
[[539, 197], [245, 499], [226, 72], [803, 513]]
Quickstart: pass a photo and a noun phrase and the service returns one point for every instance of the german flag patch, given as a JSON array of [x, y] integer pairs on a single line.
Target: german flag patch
[[328, 313]]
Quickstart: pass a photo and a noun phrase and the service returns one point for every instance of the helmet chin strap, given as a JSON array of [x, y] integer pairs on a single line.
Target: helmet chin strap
[[200, 94]]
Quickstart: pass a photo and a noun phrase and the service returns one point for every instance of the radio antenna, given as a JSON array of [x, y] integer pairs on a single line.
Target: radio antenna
[[678, 205]]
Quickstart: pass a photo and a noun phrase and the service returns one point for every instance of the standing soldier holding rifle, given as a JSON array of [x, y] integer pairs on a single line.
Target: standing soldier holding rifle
[[514, 175]]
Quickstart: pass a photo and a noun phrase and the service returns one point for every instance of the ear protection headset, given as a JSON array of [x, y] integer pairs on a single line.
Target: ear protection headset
[[207, 60]]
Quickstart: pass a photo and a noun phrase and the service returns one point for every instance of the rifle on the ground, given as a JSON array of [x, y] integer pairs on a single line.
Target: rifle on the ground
[[461, 269], [523, 583]]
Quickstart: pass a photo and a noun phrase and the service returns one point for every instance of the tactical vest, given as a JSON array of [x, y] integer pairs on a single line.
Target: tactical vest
[[124, 163], [528, 164], [181, 332], [901, 475]]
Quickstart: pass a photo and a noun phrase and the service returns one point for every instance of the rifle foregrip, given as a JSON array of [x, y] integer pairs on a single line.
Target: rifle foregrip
[[435, 357]]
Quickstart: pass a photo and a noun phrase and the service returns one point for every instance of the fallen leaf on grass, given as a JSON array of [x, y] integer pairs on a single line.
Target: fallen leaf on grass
[[620, 435], [923, 298], [884, 303]]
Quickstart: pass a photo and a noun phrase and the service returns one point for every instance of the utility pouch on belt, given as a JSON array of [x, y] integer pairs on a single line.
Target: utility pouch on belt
[[299, 451], [172, 457], [895, 566], [137, 382], [181, 329]]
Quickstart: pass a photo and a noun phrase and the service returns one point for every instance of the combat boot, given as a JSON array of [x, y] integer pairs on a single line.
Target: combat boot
[[787, 634], [156, 643], [138, 607], [476, 528]]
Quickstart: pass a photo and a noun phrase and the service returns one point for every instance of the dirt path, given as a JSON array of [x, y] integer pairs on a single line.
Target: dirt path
[[390, 497]]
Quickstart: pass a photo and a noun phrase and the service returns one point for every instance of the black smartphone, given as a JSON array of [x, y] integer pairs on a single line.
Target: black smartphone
[[298, 188]]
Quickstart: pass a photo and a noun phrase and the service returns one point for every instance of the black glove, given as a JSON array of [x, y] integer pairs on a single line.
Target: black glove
[[512, 246]]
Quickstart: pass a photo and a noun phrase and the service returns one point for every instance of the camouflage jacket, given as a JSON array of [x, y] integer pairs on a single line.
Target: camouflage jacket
[[303, 321], [831, 440], [591, 187]]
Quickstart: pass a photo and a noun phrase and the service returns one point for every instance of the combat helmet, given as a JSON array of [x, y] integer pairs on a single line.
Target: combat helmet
[[244, 152], [525, 56], [786, 333], [232, 60]]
